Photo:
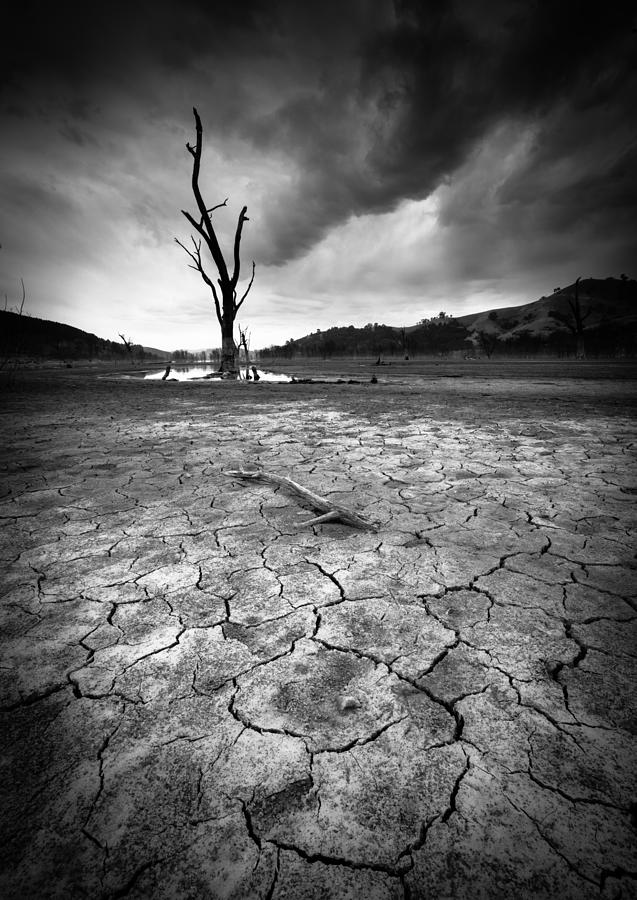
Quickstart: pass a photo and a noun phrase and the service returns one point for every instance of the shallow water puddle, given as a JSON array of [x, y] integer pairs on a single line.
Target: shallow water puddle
[[210, 372]]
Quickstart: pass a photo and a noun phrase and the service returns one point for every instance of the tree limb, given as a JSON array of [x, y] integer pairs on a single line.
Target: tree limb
[[218, 206], [237, 306], [564, 320], [189, 252], [212, 241], [237, 241], [331, 512], [198, 266], [199, 228]]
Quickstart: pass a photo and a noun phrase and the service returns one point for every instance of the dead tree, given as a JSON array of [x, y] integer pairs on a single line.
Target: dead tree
[[245, 343], [227, 306], [575, 321], [403, 342], [128, 342], [487, 341]]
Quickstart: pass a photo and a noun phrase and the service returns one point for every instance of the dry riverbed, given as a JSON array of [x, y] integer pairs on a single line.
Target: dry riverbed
[[203, 697]]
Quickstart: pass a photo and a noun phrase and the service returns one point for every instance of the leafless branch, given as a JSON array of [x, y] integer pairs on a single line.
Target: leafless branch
[[237, 306], [189, 252], [211, 237], [218, 206], [9, 358], [199, 228], [237, 241], [198, 267]]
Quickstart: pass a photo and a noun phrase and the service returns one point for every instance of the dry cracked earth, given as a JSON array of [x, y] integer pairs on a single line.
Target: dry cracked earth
[[205, 698]]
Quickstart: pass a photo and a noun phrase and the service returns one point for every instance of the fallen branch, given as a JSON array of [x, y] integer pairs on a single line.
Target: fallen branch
[[331, 512]]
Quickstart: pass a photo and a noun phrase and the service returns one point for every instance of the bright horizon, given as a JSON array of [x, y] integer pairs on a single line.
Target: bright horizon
[[388, 175]]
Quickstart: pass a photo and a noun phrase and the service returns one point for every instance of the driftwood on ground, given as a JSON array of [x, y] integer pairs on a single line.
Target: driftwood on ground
[[330, 511]]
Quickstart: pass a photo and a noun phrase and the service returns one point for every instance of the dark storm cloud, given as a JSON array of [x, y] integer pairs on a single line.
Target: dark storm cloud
[[21, 196], [76, 39], [452, 71], [367, 103], [76, 135], [402, 102]]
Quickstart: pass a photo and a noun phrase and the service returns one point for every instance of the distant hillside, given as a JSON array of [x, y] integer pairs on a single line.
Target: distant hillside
[[608, 308], [157, 354], [545, 327], [27, 336]]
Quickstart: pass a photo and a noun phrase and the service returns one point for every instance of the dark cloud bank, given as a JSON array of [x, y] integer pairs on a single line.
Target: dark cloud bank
[[371, 102]]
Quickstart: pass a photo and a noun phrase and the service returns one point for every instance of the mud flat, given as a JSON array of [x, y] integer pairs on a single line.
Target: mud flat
[[202, 697]]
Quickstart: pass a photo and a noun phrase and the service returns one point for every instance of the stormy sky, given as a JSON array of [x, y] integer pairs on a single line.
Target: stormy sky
[[396, 158]]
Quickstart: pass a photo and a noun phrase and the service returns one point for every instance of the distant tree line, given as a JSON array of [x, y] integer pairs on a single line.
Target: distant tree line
[[40, 338], [607, 339], [593, 317], [197, 356], [431, 336]]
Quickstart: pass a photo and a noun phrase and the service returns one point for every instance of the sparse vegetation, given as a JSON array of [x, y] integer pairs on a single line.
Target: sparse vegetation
[[11, 347]]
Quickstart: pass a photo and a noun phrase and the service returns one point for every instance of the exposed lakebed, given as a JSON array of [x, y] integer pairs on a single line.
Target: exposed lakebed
[[204, 697]]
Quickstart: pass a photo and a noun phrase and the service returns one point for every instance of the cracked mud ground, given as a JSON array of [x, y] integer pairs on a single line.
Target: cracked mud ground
[[201, 698]]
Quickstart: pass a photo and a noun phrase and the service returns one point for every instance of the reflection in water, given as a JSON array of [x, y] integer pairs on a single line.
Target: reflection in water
[[203, 371]]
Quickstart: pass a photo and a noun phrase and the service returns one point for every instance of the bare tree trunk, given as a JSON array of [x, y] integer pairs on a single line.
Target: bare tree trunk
[[228, 350], [580, 346], [575, 321], [578, 320]]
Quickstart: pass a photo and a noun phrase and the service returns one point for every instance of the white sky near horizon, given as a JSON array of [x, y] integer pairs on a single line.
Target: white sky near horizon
[[382, 184]]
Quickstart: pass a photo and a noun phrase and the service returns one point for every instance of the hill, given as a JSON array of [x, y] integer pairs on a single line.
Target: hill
[[154, 353], [544, 327], [24, 335], [608, 309]]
